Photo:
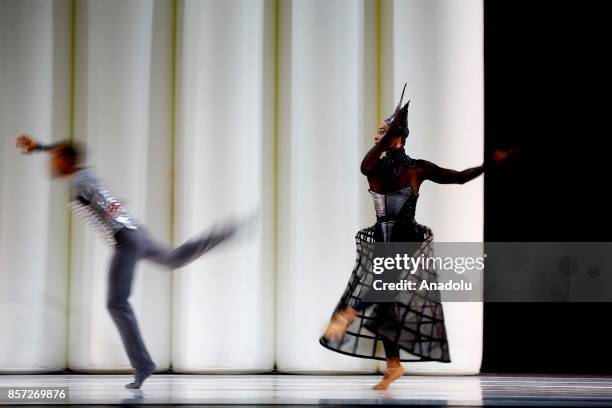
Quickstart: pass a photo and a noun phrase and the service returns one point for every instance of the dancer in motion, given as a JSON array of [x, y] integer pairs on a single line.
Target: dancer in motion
[[131, 242], [410, 321]]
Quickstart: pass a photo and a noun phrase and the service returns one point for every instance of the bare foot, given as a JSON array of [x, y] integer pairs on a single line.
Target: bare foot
[[391, 374], [340, 323]]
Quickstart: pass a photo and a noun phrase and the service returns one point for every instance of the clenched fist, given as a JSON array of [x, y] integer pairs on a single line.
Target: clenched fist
[[26, 144]]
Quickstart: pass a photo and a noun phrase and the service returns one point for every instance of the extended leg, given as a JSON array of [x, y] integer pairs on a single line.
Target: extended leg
[[190, 250], [119, 287]]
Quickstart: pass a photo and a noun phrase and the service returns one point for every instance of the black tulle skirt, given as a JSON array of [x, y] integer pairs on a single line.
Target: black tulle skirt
[[414, 320]]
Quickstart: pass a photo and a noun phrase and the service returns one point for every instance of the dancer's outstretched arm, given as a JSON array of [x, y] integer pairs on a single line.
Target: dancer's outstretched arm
[[27, 145], [440, 175], [84, 192]]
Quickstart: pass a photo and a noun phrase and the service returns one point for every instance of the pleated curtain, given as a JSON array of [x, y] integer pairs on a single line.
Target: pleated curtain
[[194, 111]]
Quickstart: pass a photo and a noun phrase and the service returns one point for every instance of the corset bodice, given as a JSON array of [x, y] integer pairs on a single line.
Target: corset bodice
[[389, 206], [396, 209]]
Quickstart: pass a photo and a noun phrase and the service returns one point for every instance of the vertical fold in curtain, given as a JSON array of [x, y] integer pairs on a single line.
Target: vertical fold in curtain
[[321, 130], [436, 46], [34, 84], [123, 114], [223, 317]]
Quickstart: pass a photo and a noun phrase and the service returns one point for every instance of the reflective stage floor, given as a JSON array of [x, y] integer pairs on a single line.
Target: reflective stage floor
[[269, 389]]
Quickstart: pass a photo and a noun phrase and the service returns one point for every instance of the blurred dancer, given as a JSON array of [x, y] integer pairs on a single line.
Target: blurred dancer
[[412, 322], [131, 242]]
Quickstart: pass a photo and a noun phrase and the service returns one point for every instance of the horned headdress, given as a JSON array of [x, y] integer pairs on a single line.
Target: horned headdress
[[398, 121]]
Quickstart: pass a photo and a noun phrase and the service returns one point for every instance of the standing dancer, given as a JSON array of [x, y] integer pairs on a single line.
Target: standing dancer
[[412, 321], [131, 241]]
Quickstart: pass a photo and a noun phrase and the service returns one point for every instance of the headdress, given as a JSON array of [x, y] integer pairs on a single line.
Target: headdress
[[398, 121]]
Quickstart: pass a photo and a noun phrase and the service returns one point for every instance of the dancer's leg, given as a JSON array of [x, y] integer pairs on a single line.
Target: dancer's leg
[[391, 349], [190, 250], [342, 320], [119, 288], [394, 367]]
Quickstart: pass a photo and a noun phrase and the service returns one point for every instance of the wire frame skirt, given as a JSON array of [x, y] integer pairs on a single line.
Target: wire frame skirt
[[414, 320]]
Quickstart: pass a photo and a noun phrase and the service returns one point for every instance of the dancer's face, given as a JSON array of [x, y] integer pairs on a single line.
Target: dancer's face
[[381, 131]]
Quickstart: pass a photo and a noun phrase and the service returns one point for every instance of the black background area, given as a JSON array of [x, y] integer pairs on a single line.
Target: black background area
[[546, 90]]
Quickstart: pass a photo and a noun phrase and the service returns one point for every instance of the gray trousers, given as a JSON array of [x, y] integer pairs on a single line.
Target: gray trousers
[[133, 245]]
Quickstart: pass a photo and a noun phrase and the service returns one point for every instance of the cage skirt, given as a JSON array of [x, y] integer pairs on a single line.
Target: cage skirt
[[414, 320]]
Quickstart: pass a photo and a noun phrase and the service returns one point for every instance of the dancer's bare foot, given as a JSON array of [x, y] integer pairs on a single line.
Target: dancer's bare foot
[[340, 323], [393, 372]]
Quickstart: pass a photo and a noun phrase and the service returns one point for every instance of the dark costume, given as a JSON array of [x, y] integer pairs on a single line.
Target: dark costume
[[410, 326]]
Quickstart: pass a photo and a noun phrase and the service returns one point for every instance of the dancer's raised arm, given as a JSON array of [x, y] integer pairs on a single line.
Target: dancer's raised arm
[[391, 134], [389, 138]]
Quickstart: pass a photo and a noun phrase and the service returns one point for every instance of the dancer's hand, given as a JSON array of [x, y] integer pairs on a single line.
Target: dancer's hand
[[499, 156], [25, 144]]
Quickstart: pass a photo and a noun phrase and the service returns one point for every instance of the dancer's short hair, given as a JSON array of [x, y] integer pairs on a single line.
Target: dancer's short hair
[[69, 150]]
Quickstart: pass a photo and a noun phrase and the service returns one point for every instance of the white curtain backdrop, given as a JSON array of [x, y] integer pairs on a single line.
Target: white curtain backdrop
[[34, 97], [223, 315], [197, 110], [320, 126]]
